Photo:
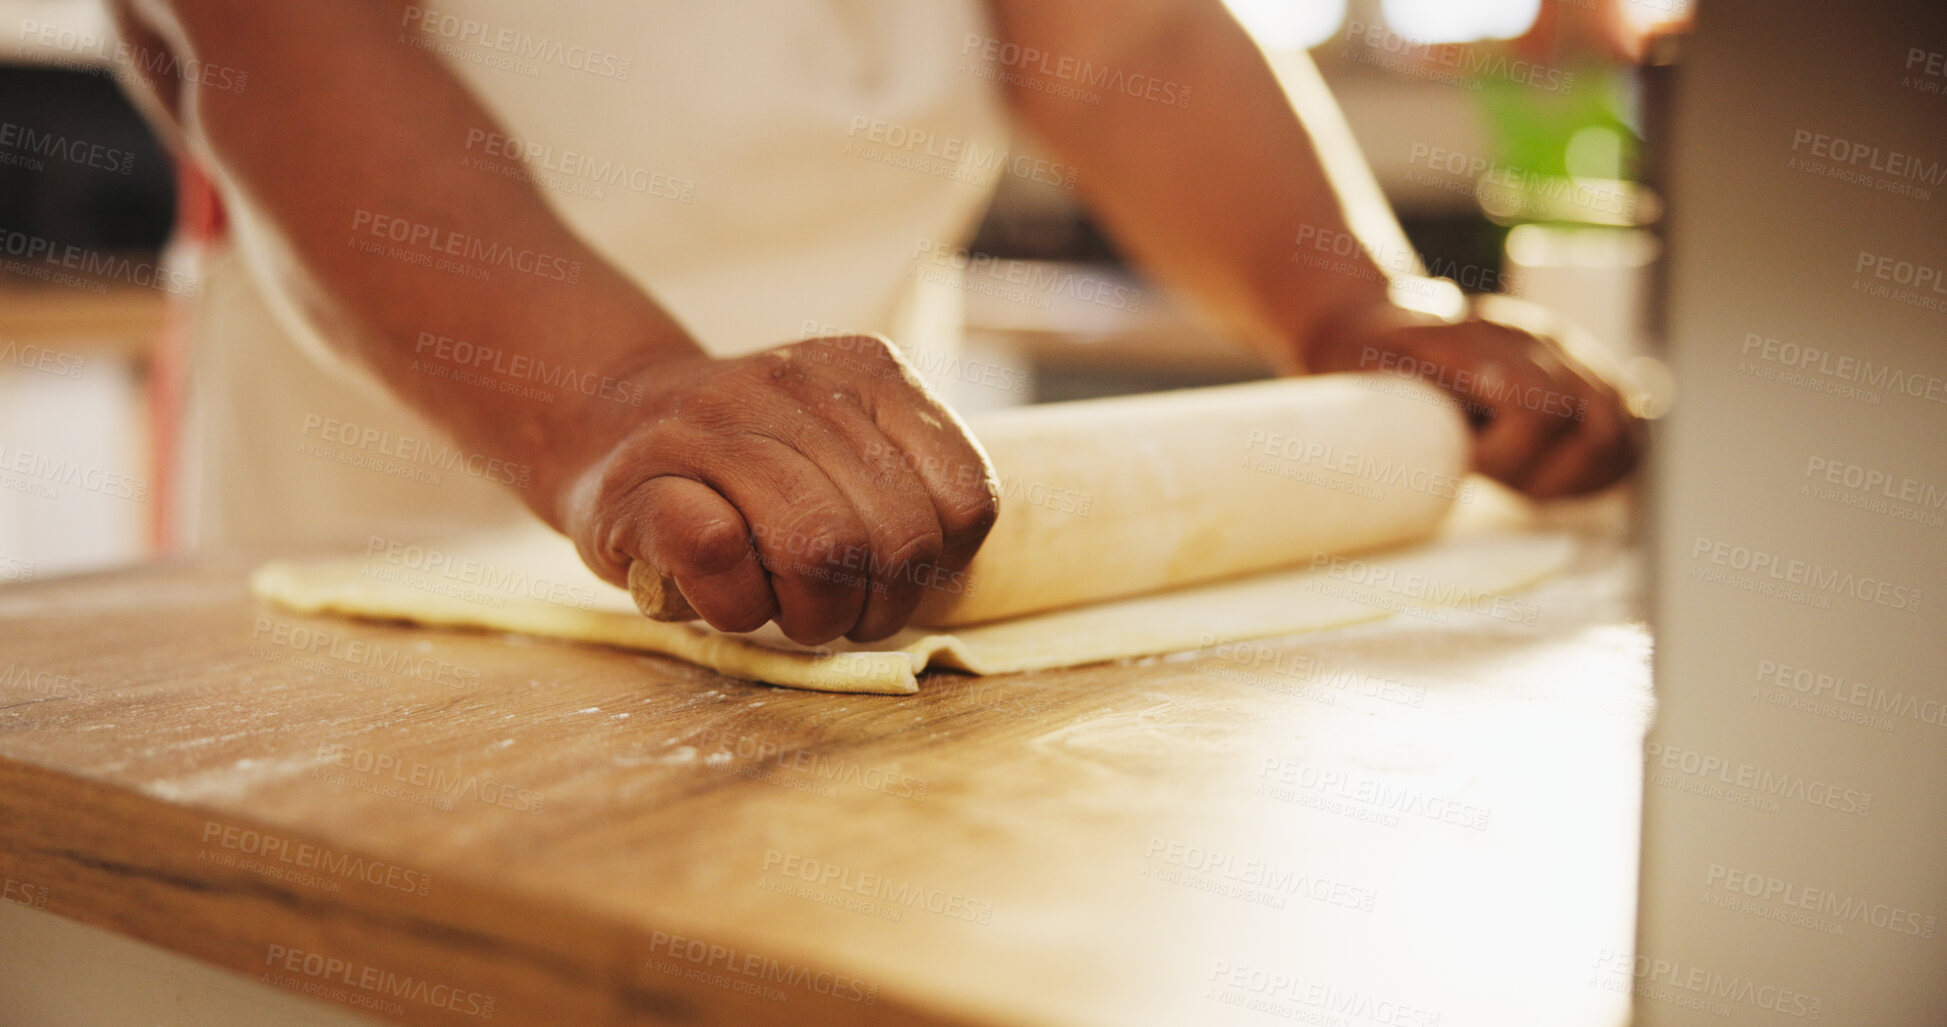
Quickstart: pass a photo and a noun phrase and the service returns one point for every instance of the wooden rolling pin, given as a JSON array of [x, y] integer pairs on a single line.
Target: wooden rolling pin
[[1102, 499]]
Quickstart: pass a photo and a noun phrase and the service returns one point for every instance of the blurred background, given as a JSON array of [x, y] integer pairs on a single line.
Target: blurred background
[[1506, 132]]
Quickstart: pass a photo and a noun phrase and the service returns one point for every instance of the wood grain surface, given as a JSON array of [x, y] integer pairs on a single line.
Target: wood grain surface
[[1414, 823]]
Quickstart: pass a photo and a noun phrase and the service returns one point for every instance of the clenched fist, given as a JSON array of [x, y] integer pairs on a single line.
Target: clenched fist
[[818, 484]]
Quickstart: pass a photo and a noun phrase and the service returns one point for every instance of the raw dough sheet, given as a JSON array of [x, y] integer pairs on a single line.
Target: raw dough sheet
[[530, 581]]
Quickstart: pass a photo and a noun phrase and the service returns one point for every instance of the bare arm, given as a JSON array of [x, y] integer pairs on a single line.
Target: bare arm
[[743, 479], [344, 136], [1265, 212], [1208, 190]]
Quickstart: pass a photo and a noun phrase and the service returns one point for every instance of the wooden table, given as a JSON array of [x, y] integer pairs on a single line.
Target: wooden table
[[1407, 824]]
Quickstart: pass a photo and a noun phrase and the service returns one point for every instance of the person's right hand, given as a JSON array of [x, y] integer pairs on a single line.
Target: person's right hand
[[818, 484], [1544, 421]]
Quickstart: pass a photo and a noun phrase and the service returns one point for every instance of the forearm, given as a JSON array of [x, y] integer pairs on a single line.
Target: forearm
[[1226, 195], [1257, 201], [348, 146]]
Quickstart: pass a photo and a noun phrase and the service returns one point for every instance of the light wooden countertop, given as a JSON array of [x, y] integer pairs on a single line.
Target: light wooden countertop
[[1408, 823]]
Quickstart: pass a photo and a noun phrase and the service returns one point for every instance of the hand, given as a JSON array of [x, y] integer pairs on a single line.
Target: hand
[[818, 484], [1544, 422]]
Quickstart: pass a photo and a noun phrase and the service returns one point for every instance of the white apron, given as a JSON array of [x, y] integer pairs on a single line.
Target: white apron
[[732, 156]]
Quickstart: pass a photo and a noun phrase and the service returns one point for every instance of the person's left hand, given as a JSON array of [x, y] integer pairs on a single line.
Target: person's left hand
[[1544, 422]]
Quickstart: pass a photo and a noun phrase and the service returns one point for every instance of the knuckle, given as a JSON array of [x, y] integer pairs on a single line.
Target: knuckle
[[922, 547], [624, 487], [969, 510], [812, 546], [836, 542], [717, 412], [714, 545]]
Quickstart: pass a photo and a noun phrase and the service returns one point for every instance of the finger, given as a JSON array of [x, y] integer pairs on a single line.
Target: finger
[[1522, 428], [1601, 452], [952, 469], [1600, 449], [690, 533], [904, 532], [808, 537], [1577, 457], [1630, 436]]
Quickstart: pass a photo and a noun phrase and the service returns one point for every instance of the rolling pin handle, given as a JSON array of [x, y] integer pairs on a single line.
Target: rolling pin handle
[[656, 594]]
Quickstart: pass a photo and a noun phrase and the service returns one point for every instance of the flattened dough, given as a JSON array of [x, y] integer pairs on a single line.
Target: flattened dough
[[531, 582]]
